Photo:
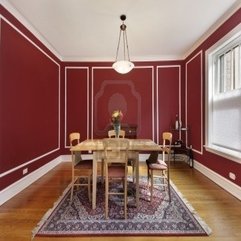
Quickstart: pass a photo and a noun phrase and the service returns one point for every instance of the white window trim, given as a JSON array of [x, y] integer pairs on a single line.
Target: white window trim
[[234, 156]]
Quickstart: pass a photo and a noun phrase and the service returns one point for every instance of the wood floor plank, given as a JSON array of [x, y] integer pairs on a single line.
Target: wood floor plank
[[220, 210]]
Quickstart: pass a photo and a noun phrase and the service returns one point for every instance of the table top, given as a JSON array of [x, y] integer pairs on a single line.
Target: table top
[[134, 145]]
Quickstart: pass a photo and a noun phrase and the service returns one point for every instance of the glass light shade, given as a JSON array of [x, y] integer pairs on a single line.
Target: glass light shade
[[123, 66]]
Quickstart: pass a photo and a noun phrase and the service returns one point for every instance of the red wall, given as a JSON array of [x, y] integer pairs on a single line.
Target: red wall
[[168, 97], [194, 97], [42, 100], [131, 93], [149, 97], [29, 102], [76, 102], [195, 102]]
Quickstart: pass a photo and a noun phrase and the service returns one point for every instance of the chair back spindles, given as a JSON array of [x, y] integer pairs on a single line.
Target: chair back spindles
[[112, 134]]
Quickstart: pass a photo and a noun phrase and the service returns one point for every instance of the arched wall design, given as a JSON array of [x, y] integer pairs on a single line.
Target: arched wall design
[[117, 94], [132, 93]]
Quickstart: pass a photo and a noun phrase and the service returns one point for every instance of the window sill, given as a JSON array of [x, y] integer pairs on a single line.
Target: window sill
[[233, 156]]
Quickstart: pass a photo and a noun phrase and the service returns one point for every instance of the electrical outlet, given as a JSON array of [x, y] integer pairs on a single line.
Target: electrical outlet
[[25, 171], [232, 176]]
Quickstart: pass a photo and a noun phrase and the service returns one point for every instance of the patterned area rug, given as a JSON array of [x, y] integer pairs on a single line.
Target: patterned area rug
[[160, 217]]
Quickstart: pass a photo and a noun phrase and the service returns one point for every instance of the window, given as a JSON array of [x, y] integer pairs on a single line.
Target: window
[[227, 68], [223, 100]]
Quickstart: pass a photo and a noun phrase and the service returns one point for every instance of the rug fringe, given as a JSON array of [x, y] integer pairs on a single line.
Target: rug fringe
[[204, 225], [47, 214]]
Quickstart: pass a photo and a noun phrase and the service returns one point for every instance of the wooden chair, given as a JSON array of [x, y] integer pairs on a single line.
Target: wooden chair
[[80, 168], [111, 134], [159, 169], [131, 161], [115, 159]]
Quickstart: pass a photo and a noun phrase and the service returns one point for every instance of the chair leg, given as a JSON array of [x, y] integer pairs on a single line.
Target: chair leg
[[72, 190], [148, 176], [148, 180], [125, 198], [169, 190], [106, 197], [152, 184], [134, 172], [89, 188], [72, 187], [102, 170]]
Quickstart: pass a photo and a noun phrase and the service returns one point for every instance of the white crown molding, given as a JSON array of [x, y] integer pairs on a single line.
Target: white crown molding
[[30, 27], [133, 58], [38, 35], [213, 28]]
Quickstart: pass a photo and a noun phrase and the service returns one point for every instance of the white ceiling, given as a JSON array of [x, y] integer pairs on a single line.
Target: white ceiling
[[87, 30]]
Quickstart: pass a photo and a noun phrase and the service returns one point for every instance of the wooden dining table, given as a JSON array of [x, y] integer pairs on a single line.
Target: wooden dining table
[[96, 147]]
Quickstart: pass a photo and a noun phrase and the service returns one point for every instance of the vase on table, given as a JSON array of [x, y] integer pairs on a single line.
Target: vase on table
[[117, 129]]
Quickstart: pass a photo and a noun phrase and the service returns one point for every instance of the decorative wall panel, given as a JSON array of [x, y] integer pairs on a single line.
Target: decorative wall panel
[[76, 102], [168, 97], [131, 93], [29, 104], [194, 105]]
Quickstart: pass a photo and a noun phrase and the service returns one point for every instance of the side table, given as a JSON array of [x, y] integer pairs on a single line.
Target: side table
[[182, 148]]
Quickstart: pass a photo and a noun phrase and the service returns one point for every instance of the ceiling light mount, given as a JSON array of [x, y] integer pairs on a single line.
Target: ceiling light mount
[[125, 65]]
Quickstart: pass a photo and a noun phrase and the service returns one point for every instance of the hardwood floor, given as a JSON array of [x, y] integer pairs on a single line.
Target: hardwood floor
[[220, 210]]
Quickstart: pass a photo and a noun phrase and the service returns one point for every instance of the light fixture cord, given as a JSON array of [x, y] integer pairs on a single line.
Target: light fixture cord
[[118, 46], [125, 43], [127, 48]]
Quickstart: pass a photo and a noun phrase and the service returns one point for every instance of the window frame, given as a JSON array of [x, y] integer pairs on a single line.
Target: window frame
[[211, 55]]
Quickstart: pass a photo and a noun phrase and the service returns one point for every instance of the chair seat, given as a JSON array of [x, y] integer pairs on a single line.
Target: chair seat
[[157, 166], [84, 164], [161, 162], [160, 165], [116, 171]]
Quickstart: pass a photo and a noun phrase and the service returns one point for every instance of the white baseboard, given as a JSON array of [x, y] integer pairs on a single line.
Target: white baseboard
[[65, 158], [18, 186], [21, 184], [224, 183]]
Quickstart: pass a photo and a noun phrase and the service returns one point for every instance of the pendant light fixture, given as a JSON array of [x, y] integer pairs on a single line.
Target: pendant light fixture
[[124, 65]]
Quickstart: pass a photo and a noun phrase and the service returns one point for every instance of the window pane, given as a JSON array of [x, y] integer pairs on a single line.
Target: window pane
[[220, 80], [228, 71], [224, 98], [237, 68], [226, 131]]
